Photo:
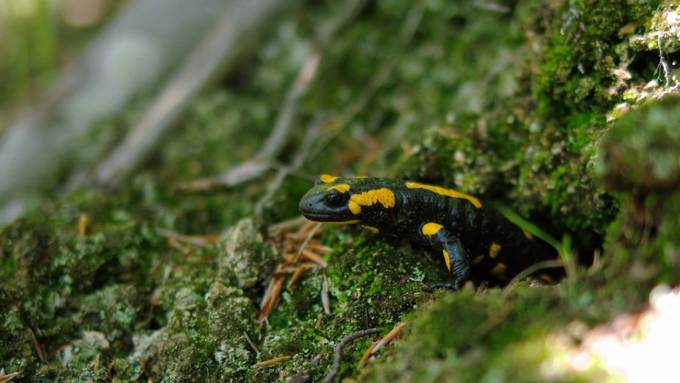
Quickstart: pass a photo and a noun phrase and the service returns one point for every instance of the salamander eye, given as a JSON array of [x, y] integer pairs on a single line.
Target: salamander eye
[[335, 198]]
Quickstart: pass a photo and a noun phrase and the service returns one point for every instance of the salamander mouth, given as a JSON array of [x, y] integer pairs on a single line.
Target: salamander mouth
[[319, 217]]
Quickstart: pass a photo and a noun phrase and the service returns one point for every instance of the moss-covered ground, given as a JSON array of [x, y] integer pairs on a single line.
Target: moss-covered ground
[[556, 109]]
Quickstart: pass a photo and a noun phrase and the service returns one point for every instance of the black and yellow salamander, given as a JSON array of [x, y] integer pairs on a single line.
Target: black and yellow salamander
[[474, 240]]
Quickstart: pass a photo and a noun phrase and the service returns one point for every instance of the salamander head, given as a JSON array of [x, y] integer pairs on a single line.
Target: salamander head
[[345, 200]]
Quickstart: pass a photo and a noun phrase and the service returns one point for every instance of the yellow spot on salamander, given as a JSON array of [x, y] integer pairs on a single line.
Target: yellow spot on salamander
[[342, 188], [445, 192], [478, 260], [499, 269], [326, 178], [372, 229], [354, 207], [350, 222], [383, 196], [528, 235], [494, 250], [431, 228], [447, 260]]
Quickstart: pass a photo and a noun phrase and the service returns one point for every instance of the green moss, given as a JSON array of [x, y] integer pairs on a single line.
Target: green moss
[[544, 155], [461, 158], [641, 150], [492, 336], [580, 54], [113, 310], [573, 75], [211, 327], [371, 283], [116, 280], [57, 282], [641, 160]]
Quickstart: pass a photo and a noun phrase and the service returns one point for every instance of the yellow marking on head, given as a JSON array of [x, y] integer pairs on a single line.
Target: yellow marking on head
[[384, 196], [494, 250], [478, 260], [342, 188], [354, 207], [372, 229], [326, 178], [445, 192], [499, 269], [431, 228], [547, 278], [350, 222], [447, 260], [528, 235]]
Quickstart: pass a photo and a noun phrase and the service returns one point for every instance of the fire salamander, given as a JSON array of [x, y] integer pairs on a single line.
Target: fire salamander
[[475, 241]]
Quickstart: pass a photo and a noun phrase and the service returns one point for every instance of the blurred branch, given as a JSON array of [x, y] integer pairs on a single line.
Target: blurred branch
[[128, 58], [255, 167], [406, 34], [238, 28], [337, 351], [299, 159], [280, 134], [492, 6]]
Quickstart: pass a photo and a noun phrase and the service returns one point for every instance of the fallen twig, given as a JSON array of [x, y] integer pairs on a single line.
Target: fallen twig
[[318, 248], [201, 241], [250, 343], [235, 176], [379, 344], [295, 278], [549, 264], [272, 362], [313, 257], [309, 237], [83, 225], [286, 225], [325, 298], [6, 378], [175, 244], [335, 368], [300, 252], [663, 62], [271, 297], [37, 346]]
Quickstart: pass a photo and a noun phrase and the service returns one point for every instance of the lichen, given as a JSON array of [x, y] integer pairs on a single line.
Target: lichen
[[244, 253]]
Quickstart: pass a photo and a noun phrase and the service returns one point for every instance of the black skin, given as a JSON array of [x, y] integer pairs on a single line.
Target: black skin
[[467, 231]]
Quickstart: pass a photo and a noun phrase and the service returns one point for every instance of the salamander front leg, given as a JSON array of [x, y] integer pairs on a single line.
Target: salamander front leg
[[455, 257], [460, 262]]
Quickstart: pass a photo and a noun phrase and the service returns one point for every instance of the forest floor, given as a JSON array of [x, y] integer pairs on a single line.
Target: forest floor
[[563, 111]]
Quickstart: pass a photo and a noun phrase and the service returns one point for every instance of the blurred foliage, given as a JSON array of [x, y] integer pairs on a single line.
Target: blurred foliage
[[28, 45], [37, 37]]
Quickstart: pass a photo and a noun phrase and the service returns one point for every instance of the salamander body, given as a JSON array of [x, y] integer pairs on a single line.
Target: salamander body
[[474, 240]]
